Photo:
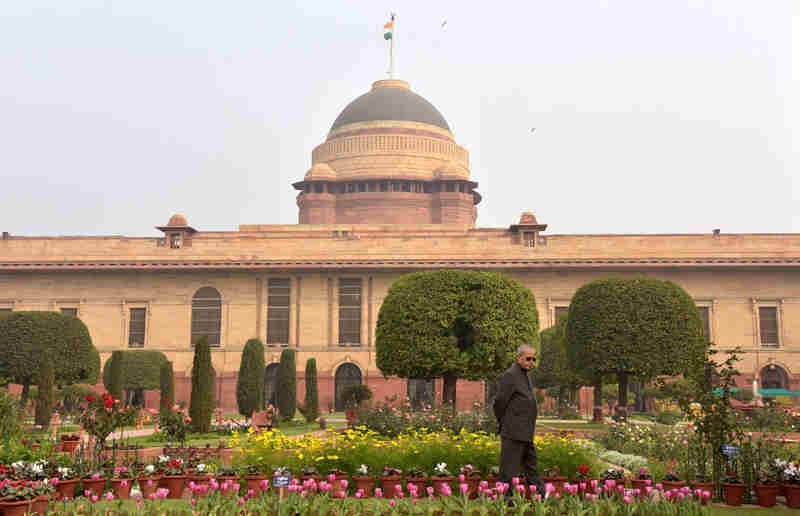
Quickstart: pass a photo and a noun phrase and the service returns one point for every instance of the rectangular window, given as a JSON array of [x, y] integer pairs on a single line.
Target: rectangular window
[[278, 308], [560, 311], [319, 188], [396, 187], [136, 327], [529, 239], [384, 187], [349, 312], [362, 187], [371, 187], [768, 326], [70, 312], [450, 187], [705, 315]]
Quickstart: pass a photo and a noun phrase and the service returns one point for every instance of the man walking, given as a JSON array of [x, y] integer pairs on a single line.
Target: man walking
[[515, 409]]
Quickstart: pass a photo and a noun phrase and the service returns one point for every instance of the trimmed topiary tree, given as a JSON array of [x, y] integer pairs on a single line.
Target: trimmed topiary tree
[[142, 369], [250, 383], [287, 385], [116, 380], [26, 336], [167, 387], [45, 398], [634, 327], [454, 324], [311, 403], [201, 404], [554, 370]]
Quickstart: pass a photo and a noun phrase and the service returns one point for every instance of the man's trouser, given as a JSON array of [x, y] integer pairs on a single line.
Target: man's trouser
[[518, 459]]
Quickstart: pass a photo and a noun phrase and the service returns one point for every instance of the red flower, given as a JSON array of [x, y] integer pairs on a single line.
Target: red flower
[[89, 398], [108, 403]]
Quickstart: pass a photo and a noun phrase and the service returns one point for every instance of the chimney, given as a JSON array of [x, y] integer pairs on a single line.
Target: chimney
[[716, 233]]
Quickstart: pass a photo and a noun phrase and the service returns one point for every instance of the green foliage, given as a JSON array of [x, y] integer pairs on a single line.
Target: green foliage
[[10, 422], [201, 404], [116, 380], [71, 396], [287, 385], [174, 424], [554, 369], [250, 383], [311, 403], [454, 324], [141, 369], [24, 337], [102, 416], [45, 398], [355, 395], [390, 418], [167, 387]]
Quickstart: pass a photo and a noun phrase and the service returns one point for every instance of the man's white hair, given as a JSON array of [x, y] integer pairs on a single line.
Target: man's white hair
[[525, 347]]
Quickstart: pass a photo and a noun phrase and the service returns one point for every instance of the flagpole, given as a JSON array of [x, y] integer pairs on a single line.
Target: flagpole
[[391, 47]]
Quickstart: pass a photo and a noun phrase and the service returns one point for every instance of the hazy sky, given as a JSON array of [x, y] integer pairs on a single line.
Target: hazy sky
[[650, 116]]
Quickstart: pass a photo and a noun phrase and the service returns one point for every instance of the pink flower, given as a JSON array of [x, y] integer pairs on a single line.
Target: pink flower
[[95, 498], [462, 478], [515, 481], [124, 483], [194, 501], [54, 481], [533, 488], [109, 496], [95, 476], [149, 483], [484, 484], [520, 489], [378, 492], [241, 502], [398, 488], [464, 488], [87, 493], [359, 493], [626, 499], [264, 484], [391, 503], [235, 486], [429, 490], [344, 484]]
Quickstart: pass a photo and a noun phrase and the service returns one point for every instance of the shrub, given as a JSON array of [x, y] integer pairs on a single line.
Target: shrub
[[44, 402], [391, 418], [627, 461], [311, 404], [115, 375], [10, 422], [668, 417], [167, 387], [356, 394], [71, 397], [250, 382], [201, 404], [287, 385], [141, 370]]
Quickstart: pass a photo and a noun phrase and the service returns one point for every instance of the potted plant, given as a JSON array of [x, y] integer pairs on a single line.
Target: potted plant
[[583, 475], [768, 485], [642, 479], [122, 482], [67, 480], [148, 480], [174, 475], [791, 484], [472, 478], [440, 477], [493, 475], [733, 489], [16, 497], [309, 473], [671, 480], [391, 477], [416, 476], [339, 481], [95, 481], [69, 442], [44, 492], [253, 475], [363, 481], [552, 476]]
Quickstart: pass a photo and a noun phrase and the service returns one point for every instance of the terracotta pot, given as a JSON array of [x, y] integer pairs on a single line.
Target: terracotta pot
[[792, 495], [388, 484], [39, 505], [120, 491], [492, 480], [420, 483], [175, 484], [254, 482], [672, 484], [95, 486], [558, 483], [439, 482], [472, 482], [70, 446], [704, 486], [365, 484], [16, 508], [640, 484], [734, 493], [232, 480], [201, 480], [148, 486], [337, 486], [767, 494], [66, 488]]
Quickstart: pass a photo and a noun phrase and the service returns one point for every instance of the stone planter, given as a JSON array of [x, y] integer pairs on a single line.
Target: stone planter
[[704, 486], [558, 483], [640, 484], [175, 484], [95, 486], [767, 494], [388, 484], [365, 484], [734, 494], [148, 486], [669, 485], [420, 483], [439, 482], [472, 481], [338, 492], [120, 491], [222, 480], [39, 505], [19, 508], [66, 488], [202, 480], [792, 495], [254, 482]]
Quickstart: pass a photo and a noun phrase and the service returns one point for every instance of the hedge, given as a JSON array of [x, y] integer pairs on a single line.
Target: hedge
[[141, 369]]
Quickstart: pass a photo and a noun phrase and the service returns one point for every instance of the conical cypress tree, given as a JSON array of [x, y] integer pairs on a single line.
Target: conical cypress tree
[[167, 381], [201, 405], [44, 401], [287, 385], [312, 393], [250, 383], [117, 381]]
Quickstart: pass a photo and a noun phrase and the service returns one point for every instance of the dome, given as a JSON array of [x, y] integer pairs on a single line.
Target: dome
[[177, 220], [390, 100], [450, 172], [320, 172], [528, 218]]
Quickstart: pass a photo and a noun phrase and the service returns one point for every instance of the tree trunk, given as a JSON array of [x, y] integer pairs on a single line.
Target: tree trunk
[[622, 401], [597, 409], [562, 400], [449, 389], [23, 397]]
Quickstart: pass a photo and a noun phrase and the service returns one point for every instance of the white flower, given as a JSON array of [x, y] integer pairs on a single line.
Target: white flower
[[363, 469], [441, 468], [18, 465], [149, 468], [163, 459], [201, 467], [37, 468], [64, 472]]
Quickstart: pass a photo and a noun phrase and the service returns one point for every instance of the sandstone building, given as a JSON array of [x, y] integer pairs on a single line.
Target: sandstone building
[[388, 192]]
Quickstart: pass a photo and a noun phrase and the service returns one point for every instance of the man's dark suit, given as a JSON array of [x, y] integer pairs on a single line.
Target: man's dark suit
[[515, 409]]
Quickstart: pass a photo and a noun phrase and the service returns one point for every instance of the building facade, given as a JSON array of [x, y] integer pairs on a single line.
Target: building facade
[[389, 192]]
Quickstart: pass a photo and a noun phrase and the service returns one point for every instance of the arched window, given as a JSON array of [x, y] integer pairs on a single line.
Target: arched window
[[271, 385], [347, 374], [774, 377], [207, 315], [420, 392]]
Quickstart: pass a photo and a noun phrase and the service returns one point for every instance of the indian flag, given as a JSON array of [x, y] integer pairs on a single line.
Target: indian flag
[[387, 30]]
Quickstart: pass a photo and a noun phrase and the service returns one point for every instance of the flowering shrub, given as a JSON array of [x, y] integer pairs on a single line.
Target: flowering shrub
[[393, 417], [102, 416], [175, 424]]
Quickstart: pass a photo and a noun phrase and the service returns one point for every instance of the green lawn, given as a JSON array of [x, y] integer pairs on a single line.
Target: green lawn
[[569, 426], [745, 511]]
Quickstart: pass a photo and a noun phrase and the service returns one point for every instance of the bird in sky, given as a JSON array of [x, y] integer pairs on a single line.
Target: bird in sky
[[534, 129], [444, 22]]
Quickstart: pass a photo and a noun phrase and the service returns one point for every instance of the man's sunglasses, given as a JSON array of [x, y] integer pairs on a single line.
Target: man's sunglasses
[[530, 359]]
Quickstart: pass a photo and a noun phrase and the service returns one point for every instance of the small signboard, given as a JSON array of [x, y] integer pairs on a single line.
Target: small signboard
[[730, 450], [281, 481]]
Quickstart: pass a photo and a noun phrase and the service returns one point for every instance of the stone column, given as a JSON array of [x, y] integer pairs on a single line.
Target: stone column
[[292, 313], [260, 309], [365, 283], [370, 318], [297, 304]]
